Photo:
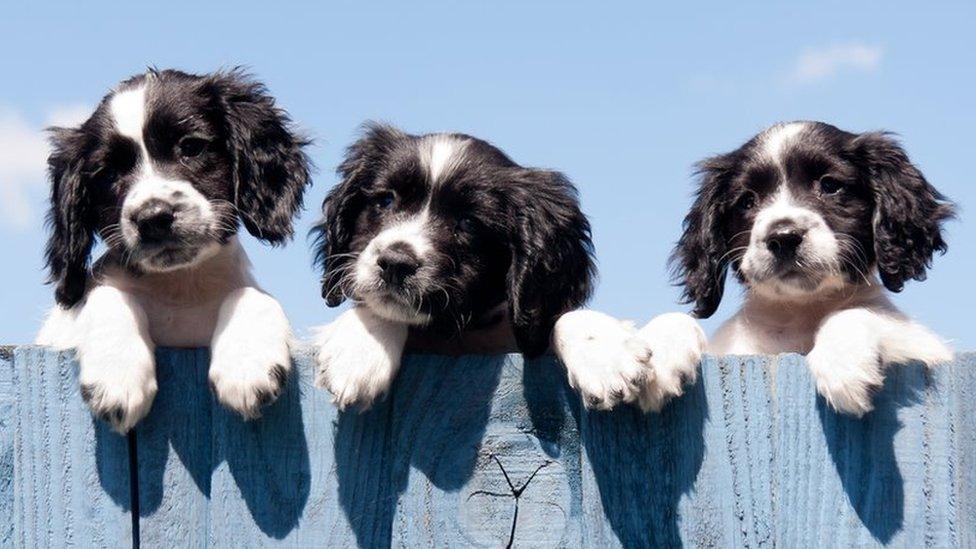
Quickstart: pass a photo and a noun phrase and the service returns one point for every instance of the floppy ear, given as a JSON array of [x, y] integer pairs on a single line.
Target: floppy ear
[[552, 268], [344, 203], [699, 260], [70, 218], [908, 211], [270, 168]]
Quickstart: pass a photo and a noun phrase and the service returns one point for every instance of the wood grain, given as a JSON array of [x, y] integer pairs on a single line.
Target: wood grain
[[70, 472], [6, 446], [494, 451]]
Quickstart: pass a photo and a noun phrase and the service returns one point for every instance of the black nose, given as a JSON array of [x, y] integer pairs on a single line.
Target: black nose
[[154, 221], [783, 243], [397, 263]]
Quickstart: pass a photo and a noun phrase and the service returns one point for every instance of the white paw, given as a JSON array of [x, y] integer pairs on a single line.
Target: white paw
[[605, 360], [358, 356], [677, 343], [250, 359], [247, 377], [912, 342], [118, 380], [847, 375]]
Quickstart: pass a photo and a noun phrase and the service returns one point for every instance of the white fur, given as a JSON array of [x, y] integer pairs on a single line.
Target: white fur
[[128, 108], [195, 209], [358, 357], [850, 336], [605, 359], [250, 340], [115, 353], [776, 141], [819, 248], [677, 343], [413, 231], [440, 155], [610, 362], [123, 318]]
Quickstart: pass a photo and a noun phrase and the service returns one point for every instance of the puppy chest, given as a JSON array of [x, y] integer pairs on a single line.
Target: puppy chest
[[182, 325]]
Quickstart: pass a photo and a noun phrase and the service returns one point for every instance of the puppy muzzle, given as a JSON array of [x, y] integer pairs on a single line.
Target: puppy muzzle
[[167, 226]]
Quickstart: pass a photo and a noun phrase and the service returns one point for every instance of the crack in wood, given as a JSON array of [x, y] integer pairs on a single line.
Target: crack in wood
[[515, 492]]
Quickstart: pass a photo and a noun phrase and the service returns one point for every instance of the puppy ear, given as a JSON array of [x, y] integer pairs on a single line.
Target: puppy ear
[[70, 218], [699, 261], [271, 169], [344, 203], [552, 267], [908, 211]]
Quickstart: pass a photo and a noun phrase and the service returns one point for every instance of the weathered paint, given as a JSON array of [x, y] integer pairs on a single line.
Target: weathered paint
[[487, 451]]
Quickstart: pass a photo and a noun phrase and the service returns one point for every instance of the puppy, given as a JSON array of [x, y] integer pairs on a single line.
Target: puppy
[[443, 240], [163, 172], [809, 217]]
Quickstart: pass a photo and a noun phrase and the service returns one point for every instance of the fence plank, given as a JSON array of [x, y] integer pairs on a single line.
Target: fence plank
[[71, 473], [961, 398], [484, 451], [6, 446], [175, 453], [281, 470], [889, 478]]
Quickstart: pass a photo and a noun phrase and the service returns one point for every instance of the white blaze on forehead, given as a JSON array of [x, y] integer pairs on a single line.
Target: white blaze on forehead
[[441, 154], [776, 140], [128, 108]]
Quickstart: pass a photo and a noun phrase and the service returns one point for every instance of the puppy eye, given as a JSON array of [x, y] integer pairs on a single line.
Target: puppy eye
[[384, 200], [747, 202], [191, 147], [829, 185], [464, 225]]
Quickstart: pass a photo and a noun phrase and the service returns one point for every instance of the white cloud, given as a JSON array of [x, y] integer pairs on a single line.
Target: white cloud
[[23, 160], [822, 63]]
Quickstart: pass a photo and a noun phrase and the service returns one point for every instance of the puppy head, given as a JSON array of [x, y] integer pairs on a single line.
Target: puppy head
[[804, 208], [439, 230], [164, 170]]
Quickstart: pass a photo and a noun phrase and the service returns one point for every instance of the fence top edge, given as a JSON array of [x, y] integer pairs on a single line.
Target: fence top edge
[[7, 351]]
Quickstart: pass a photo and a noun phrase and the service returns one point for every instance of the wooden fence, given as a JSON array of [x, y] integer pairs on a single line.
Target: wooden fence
[[491, 452]]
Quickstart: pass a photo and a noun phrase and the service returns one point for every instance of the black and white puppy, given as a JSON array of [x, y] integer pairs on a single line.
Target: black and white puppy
[[163, 172], [444, 237], [808, 217]]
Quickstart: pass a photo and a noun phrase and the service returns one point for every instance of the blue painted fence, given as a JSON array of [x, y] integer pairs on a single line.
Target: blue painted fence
[[491, 452]]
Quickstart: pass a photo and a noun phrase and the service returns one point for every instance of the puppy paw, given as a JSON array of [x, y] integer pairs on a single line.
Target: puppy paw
[[605, 359], [246, 380], [912, 342], [250, 358], [358, 357], [677, 343], [847, 375], [118, 381]]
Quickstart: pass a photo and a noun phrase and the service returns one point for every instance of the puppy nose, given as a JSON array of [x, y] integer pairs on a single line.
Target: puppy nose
[[397, 262], [784, 242], [154, 221]]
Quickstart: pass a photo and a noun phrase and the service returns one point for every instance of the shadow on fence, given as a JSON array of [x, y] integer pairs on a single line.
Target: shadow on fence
[[488, 451]]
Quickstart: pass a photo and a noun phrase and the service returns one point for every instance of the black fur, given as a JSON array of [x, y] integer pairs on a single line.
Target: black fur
[[271, 169], [499, 233], [70, 218], [701, 254], [250, 167], [909, 212], [885, 208]]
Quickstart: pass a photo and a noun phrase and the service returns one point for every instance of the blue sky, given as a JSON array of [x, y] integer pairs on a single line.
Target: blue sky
[[622, 97]]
